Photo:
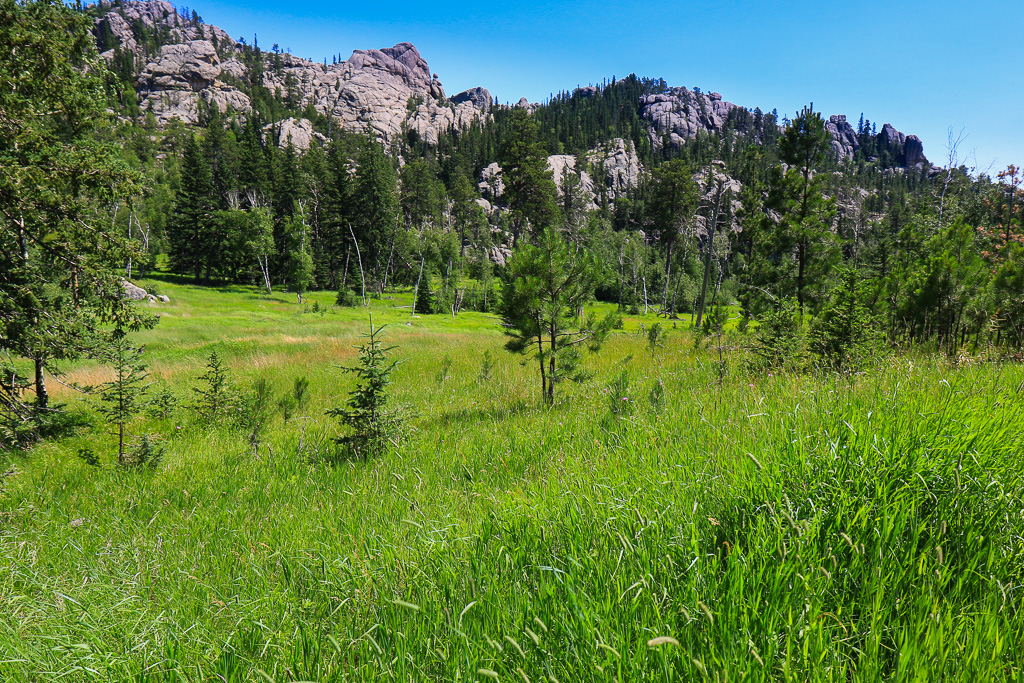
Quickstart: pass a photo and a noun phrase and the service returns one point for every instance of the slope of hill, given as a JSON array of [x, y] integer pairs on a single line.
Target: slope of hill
[[177, 62]]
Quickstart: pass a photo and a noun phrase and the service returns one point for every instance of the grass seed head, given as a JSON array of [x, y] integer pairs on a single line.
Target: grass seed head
[[662, 640]]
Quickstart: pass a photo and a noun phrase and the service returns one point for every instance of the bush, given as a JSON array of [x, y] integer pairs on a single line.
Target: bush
[[778, 343], [347, 298], [844, 336]]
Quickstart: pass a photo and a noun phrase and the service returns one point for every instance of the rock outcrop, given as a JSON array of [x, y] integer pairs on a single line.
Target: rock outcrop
[[478, 97], [611, 170], [390, 91], [298, 133], [679, 114]]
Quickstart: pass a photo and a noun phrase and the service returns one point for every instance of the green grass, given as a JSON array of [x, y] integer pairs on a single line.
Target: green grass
[[787, 527]]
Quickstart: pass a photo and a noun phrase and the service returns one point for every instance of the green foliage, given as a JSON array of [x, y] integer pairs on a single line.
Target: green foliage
[[844, 336], [797, 255], [347, 298], [215, 395], [446, 367], [486, 368], [778, 343], [655, 337], [424, 297], [59, 270], [163, 403], [619, 402], [147, 453], [863, 481], [529, 188], [89, 457], [374, 426], [123, 397], [545, 289], [296, 400], [255, 411]]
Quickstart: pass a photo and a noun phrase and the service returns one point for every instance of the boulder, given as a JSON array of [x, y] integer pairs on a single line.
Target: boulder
[[163, 298], [133, 292]]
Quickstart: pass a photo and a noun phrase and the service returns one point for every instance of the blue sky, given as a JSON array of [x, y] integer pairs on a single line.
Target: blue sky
[[923, 66]]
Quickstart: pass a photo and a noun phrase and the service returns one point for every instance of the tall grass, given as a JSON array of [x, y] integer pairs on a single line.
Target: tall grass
[[763, 528]]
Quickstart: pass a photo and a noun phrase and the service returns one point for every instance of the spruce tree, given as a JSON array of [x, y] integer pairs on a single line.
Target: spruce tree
[[122, 397], [529, 189], [376, 210], [187, 230]]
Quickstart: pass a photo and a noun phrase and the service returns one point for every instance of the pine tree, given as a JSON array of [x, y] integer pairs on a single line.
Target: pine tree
[[58, 267], [805, 226], [529, 189], [214, 395], [545, 289], [193, 213], [123, 395], [373, 425]]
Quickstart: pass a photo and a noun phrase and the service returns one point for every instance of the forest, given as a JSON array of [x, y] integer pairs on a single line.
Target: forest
[[485, 407]]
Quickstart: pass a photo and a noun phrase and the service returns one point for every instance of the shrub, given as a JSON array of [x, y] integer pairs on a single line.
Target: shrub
[[777, 343], [347, 298], [844, 336]]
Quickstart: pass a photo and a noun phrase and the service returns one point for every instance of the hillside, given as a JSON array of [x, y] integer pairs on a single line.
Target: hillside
[[177, 62]]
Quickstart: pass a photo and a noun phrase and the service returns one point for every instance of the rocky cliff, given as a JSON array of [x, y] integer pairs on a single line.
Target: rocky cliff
[[180, 62], [390, 91], [680, 114]]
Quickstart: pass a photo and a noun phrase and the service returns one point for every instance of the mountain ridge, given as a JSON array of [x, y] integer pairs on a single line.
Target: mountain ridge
[[390, 90]]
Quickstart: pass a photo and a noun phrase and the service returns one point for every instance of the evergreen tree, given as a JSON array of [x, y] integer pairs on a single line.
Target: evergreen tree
[[422, 195], [545, 288], [299, 264], [529, 189], [674, 201], [376, 212], [806, 214], [187, 230], [59, 275], [123, 395]]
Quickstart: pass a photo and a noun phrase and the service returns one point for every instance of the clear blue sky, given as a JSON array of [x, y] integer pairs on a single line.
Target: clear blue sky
[[924, 66]]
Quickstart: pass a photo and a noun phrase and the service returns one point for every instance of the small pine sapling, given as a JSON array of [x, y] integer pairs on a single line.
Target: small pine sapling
[[656, 337], [373, 426], [296, 400], [777, 343], [486, 368], [122, 398], [214, 395], [148, 453], [163, 404], [256, 411]]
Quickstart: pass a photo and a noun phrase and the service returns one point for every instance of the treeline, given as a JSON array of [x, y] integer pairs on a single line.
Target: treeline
[[713, 220], [719, 222]]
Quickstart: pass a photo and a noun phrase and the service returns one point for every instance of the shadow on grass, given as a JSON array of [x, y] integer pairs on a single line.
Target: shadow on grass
[[473, 416]]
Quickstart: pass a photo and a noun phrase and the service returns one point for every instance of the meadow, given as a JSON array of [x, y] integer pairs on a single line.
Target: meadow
[[674, 518]]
